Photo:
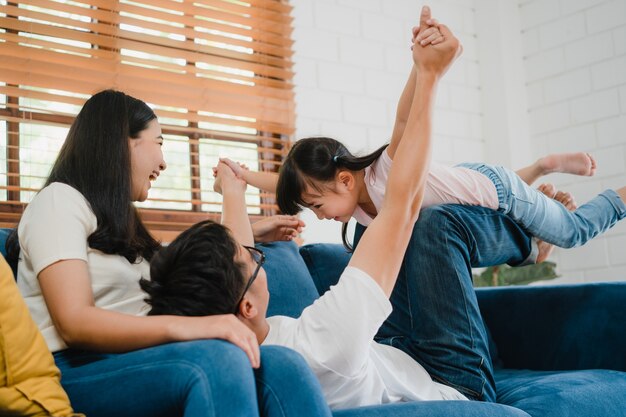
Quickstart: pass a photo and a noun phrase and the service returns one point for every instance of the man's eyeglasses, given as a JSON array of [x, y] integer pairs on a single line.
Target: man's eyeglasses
[[259, 258]]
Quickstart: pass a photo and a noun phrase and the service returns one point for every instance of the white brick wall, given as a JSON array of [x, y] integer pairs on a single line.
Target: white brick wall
[[575, 66], [352, 59]]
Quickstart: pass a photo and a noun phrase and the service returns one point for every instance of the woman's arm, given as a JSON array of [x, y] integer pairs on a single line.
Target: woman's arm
[[66, 288]]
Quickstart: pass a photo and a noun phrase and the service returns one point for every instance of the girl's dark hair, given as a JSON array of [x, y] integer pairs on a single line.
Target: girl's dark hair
[[196, 274], [312, 161], [95, 160]]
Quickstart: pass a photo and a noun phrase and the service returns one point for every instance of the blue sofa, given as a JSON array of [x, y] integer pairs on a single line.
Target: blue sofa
[[559, 351]]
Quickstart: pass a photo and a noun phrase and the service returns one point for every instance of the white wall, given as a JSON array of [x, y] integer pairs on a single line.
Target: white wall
[[575, 73], [352, 59], [536, 76]]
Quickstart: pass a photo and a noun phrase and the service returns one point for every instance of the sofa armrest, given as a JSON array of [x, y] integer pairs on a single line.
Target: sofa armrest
[[564, 327]]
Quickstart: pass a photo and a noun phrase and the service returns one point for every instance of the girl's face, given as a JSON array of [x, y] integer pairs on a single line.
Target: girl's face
[[146, 160], [336, 202]]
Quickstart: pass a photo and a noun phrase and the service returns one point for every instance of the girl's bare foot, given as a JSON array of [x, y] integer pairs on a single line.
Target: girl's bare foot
[[545, 248], [579, 163]]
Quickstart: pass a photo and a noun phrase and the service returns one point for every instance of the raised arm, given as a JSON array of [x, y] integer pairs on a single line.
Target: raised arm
[[429, 34], [265, 181], [381, 249]]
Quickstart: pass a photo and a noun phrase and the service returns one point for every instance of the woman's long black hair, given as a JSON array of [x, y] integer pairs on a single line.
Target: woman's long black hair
[[95, 160], [312, 161]]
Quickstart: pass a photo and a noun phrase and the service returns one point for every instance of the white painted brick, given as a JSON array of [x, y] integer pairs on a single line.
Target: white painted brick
[[403, 9], [562, 31], [442, 150], [544, 64], [619, 39], [451, 123], [580, 138], [457, 74], [620, 228], [622, 94], [384, 84], [398, 59], [342, 78], [464, 98], [476, 126], [302, 13], [615, 183], [467, 151], [469, 21], [443, 98], [318, 104], [612, 131], [327, 231], [592, 255], [609, 73], [368, 5], [306, 126], [473, 74], [347, 133], [608, 274], [338, 19], [589, 50], [367, 111], [377, 137], [359, 52], [530, 41], [595, 106], [549, 118], [610, 162], [386, 29], [305, 73], [535, 94], [315, 44], [538, 12], [470, 48], [606, 16], [449, 14], [571, 6], [570, 84]]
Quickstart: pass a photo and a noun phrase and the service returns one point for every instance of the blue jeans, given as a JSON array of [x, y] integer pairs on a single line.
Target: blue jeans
[[546, 218], [435, 318], [209, 378]]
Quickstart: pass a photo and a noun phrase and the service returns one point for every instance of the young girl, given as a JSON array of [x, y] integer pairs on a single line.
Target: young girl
[[321, 174], [82, 251]]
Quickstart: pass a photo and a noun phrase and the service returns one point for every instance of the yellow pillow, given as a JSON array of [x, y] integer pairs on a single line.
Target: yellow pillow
[[30, 383]]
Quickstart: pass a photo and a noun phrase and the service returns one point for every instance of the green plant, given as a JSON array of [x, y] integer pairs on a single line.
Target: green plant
[[503, 275]]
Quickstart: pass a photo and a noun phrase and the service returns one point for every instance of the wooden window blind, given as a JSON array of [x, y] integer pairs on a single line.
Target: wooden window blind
[[218, 74]]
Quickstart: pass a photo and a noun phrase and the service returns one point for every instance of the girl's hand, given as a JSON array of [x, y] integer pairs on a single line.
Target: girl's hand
[[225, 178], [279, 227], [238, 169], [226, 327]]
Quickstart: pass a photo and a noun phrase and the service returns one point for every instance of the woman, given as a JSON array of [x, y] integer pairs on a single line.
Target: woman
[[83, 250]]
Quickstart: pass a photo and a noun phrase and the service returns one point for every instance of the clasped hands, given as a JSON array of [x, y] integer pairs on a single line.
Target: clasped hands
[[269, 229]]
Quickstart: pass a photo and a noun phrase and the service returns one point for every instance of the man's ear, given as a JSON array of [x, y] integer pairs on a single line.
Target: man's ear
[[347, 179], [247, 309]]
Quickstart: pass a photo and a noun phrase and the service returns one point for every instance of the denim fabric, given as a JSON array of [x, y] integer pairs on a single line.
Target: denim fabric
[[588, 393], [209, 378], [435, 318], [546, 218], [326, 263]]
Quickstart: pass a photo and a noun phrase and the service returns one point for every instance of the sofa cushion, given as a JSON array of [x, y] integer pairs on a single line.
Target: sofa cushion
[[586, 393], [325, 262], [288, 279], [29, 379]]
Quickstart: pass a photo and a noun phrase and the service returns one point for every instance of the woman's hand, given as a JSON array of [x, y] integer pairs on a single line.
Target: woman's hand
[[226, 327], [435, 47], [279, 227]]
